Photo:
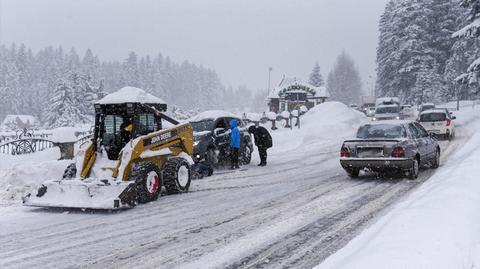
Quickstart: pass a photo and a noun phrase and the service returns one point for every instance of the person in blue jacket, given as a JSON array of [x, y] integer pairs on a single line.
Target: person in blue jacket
[[234, 143]]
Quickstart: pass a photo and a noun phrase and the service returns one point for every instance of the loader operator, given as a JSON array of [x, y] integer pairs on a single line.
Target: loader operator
[[126, 132], [126, 129]]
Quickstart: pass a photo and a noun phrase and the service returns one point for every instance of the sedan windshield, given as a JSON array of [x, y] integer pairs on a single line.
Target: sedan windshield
[[387, 109], [201, 126], [380, 131], [430, 117]]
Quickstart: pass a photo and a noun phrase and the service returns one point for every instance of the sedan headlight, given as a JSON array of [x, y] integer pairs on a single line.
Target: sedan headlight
[[195, 143], [397, 117], [374, 119]]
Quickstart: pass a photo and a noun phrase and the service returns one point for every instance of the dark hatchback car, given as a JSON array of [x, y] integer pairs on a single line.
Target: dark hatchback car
[[211, 131], [390, 146]]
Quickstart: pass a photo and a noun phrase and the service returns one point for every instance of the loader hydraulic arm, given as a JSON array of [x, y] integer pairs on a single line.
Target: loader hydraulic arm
[[161, 115]]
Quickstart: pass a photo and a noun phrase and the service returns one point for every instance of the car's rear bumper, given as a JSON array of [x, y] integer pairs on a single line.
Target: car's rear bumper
[[376, 163]]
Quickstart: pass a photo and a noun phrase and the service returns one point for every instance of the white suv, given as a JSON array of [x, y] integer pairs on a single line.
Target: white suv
[[438, 121]]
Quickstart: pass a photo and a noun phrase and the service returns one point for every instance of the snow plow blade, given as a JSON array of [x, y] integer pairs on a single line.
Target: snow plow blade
[[84, 194]]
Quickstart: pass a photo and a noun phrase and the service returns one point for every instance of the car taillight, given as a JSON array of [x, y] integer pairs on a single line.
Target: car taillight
[[344, 152], [398, 152], [449, 121]]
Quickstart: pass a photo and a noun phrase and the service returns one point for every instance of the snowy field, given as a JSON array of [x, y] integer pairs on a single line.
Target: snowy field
[[294, 213]]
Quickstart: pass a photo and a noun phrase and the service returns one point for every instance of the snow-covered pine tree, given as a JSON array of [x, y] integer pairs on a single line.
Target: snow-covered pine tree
[[72, 61], [316, 78], [130, 71], [343, 82], [63, 110], [403, 48], [465, 51], [90, 65], [415, 34], [471, 30], [184, 85]]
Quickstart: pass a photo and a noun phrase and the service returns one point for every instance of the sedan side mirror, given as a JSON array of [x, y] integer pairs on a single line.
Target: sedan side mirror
[[432, 135]]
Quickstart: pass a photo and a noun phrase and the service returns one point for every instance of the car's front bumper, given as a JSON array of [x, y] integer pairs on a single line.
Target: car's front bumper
[[376, 163]]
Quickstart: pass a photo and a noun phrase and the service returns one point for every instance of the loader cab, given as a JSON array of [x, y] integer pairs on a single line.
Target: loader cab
[[117, 124]]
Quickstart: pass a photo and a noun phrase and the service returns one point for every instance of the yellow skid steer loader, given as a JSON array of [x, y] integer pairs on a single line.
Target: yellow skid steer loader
[[129, 159]]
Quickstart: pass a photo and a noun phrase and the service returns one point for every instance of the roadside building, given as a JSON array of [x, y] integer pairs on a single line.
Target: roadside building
[[19, 122], [291, 94]]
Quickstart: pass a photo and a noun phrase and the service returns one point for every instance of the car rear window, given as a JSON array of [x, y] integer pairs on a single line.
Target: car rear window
[[429, 117], [370, 131], [427, 107], [387, 109]]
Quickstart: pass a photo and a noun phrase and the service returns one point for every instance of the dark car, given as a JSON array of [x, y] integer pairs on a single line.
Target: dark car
[[390, 146], [211, 131]]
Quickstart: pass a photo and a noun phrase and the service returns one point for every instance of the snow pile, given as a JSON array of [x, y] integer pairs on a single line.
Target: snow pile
[[22, 174], [435, 227], [130, 95], [69, 134], [331, 121], [326, 124]]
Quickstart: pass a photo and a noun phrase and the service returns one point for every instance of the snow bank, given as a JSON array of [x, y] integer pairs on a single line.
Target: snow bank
[[437, 226], [68, 134], [325, 124], [332, 120], [22, 174], [130, 95]]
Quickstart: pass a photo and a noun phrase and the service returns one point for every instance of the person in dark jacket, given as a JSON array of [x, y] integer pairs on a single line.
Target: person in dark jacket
[[263, 141], [234, 143]]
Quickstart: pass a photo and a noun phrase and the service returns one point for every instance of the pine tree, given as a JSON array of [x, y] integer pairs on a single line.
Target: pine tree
[[471, 30], [415, 34], [316, 78], [63, 110], [343, 82], [28, 82], [130, 71]]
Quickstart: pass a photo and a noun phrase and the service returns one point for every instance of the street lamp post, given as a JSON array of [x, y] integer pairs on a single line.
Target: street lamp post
[[269, 77]]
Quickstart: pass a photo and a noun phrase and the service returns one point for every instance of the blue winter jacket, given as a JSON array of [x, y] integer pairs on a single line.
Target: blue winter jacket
[[234, 135]]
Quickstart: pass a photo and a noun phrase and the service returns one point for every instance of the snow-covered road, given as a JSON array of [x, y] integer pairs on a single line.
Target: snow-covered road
[[292, 214]]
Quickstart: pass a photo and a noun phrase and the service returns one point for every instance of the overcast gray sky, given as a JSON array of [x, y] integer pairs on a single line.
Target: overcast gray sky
[[239, 39]]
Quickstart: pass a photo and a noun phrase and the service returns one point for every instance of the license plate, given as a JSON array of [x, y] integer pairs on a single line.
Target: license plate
[[369, 152]]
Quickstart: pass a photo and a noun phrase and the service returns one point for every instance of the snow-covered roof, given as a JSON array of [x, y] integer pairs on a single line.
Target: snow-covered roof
[[392, 105], [23, 119], [212, 114], [293, 85], [435, 110], [130, 95], [387, 100]]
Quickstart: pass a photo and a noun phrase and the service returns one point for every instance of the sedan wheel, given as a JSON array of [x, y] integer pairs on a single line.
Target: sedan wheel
[[436, 160], [414, 170]]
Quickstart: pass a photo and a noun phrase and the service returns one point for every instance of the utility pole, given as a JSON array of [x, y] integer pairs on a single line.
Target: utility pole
[[269, 77]]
